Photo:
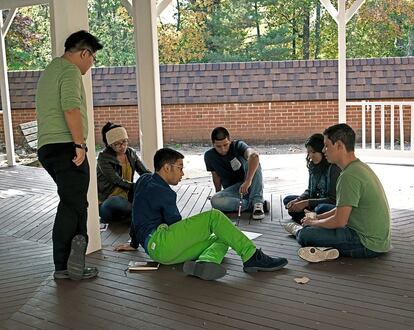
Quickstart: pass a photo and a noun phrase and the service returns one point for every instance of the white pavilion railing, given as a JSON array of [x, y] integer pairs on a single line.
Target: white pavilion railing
[[389, 131]]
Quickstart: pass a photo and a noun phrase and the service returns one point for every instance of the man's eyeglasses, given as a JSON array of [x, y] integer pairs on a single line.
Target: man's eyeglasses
[[120, 143], [91, 53]]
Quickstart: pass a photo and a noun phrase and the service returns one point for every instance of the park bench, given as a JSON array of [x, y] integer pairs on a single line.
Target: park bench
[[29, 135]]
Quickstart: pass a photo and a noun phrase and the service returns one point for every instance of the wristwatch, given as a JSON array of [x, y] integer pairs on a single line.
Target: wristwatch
[[81, 146]]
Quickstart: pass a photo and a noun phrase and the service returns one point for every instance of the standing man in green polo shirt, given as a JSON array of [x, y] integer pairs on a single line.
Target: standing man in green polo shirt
[[62, 131], [359, 226]]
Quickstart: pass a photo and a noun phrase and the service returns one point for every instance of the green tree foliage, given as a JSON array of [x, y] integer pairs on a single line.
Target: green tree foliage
[[386, 33], [28, 40], [227, 30], [184, 41], [111, 23]]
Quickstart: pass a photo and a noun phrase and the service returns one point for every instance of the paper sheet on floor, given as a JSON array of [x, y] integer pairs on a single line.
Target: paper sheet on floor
[[250, 234]]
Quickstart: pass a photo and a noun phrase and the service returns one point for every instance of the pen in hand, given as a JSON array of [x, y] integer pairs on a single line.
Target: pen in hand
[[240, 208]]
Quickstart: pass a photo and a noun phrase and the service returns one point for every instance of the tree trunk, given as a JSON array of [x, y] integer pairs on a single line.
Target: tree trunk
[[99, 7], [410, 42], [294, 30], [317, 29], [178, 15], [305, 35], [257, 20]]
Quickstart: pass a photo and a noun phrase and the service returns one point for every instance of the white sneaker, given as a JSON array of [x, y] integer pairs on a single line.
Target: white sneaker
[[292, 227], [258, 212], [318, 254]]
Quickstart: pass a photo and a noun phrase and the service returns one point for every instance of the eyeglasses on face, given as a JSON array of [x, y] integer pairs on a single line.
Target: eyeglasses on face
[[91, 53], [120, 143], [180, 167]]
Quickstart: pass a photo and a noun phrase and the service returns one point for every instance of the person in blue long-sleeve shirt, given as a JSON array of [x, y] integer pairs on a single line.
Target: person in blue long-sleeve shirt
[[200, 241]]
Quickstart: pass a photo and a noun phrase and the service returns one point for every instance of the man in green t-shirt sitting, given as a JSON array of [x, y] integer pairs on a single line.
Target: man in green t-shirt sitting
[[359, 226]]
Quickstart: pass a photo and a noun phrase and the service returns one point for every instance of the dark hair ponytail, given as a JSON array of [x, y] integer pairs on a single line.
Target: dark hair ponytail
[[107, 127]]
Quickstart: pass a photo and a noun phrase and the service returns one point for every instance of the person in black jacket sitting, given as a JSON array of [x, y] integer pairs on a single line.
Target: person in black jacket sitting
[[116, 167], [320, 196]]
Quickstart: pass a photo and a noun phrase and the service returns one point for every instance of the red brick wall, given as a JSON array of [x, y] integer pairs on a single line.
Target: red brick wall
[[127, 116], [261, 122], [267, 122]]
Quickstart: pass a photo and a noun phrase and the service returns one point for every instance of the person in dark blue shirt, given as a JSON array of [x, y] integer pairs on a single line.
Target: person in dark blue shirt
[[235, 166], [200, 241]]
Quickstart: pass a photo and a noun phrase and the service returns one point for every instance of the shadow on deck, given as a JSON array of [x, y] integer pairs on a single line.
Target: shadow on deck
[[342, 294]]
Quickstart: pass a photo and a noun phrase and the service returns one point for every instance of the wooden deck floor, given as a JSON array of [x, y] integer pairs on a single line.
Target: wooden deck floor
[[343, 294]]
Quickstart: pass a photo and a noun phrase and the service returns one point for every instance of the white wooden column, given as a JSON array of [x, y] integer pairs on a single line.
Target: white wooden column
[[68, 17], [4, 87], [342, 17], [148, 78], [341, 62]]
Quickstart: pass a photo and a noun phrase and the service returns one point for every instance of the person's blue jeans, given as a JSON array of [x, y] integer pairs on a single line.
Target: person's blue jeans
[[115, 209], [345, 240], [227, 200], [298, 216]]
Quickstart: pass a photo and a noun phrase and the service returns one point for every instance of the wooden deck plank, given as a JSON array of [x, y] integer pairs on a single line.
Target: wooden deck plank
[[14, 207], [209, 303], [182, 200], [18, 325], [192, 201], [132, 311], [346, 289], [32, 217], [38, 319], [188, 310], [24, 266], [39, 219], [203, 203]]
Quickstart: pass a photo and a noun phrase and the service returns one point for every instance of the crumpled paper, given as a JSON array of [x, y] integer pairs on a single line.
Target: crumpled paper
[[302, 280]]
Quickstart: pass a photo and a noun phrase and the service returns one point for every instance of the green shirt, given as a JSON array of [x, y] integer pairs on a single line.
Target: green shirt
[[359, 187], [60, 88]]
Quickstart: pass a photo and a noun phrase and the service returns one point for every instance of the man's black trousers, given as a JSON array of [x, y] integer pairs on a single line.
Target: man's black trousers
[[72, 186]]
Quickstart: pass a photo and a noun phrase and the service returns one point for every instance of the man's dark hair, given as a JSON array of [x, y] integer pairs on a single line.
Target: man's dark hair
[[343, 133], [219, 133], [166, 156], [82, 40]]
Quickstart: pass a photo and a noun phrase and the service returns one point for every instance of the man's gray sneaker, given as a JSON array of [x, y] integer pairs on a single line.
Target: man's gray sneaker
[[292, 227], [88, 272], [205, 270], [76, 261], [318, 254], [61, 274]]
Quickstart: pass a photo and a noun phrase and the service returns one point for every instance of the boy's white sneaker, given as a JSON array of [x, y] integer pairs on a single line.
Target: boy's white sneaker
[[258, 211], [318, 254], [292, 227]]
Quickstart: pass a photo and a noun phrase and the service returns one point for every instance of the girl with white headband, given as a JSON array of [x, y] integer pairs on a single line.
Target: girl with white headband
[[116, 166]]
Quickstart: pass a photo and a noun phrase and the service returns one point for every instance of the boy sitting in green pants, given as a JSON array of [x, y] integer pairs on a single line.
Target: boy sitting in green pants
[[200, 241]]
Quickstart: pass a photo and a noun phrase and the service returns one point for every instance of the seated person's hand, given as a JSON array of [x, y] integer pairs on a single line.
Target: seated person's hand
[[310, 215], [309, 219], [244, 188], [298, 206], [289, 205], [124, 247]]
